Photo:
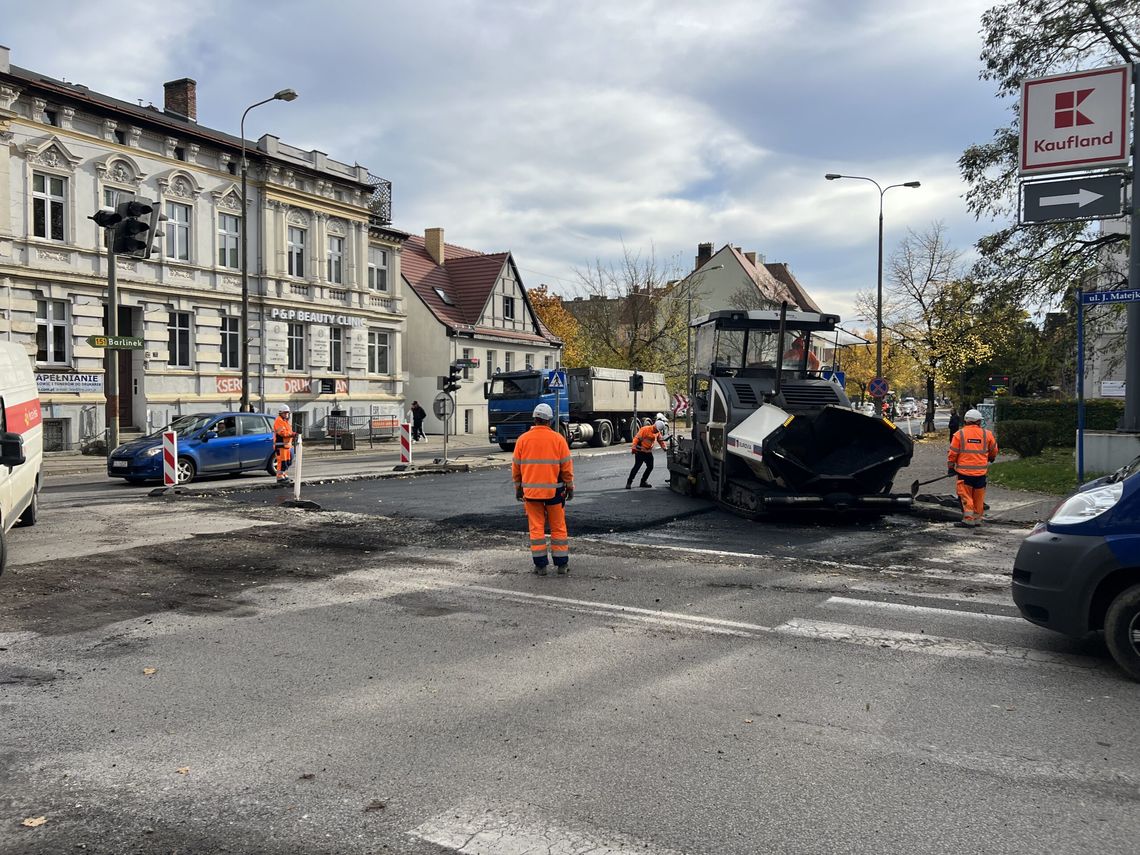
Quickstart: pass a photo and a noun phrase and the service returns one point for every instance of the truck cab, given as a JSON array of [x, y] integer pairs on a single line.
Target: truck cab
[[511, 399]]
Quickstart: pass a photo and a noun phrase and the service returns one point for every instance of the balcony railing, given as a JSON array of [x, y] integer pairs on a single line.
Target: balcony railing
[[380, 202]]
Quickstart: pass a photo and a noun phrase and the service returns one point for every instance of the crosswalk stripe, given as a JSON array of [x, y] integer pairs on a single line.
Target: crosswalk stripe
[[921, 610]]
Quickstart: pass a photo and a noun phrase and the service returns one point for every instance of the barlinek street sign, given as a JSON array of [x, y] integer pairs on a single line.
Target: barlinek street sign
[[1094, 197], [116, 342], [1075, 122]]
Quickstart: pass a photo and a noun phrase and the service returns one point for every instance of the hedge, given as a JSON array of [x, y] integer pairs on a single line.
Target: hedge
[[1025, 436], [1100, 414]]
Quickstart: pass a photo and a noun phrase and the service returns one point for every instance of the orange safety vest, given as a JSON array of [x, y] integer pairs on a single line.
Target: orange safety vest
[[283, 432], [541, 464], [972, 450], [645, 439]]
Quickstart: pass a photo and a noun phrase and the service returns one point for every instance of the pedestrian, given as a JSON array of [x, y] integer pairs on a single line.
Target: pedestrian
[[418, 416], [543, 474], [642, 448], [972, 450], [283, 435], [955, 423]]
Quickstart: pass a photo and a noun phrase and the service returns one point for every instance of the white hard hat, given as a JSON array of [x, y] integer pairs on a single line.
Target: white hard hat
[[972, 416], [660, 417], [662, 426], [543, 411], [284, 408]]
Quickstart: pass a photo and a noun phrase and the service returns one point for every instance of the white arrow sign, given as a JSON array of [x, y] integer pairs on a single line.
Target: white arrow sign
[[1081, 198]]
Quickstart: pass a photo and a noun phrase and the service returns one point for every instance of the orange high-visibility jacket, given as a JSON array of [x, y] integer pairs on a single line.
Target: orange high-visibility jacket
[[283, 432], [541, 463], [645, 439], [972, 450]]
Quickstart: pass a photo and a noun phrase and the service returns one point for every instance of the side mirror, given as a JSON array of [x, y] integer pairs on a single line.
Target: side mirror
[[207, 435], [487, 389], [11, 449]]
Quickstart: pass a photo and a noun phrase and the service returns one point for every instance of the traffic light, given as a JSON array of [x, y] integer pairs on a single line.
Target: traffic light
[[133, 234], [637, 383], [454, 375]]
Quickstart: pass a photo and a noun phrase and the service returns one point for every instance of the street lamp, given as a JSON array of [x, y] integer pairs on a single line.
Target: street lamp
[[831, 176], [283, 95]]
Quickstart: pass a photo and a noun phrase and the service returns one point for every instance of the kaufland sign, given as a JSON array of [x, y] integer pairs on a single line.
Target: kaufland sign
[[1076, 121]]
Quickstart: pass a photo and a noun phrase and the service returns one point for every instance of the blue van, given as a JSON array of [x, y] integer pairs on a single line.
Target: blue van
[[208, 444], [1079, 571]]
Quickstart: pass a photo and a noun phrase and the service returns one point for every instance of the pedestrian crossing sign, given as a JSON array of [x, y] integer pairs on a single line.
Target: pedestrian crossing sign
[[556, 380]]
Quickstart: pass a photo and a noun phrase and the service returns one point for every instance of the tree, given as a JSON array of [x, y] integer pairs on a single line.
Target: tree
[[858, 363], [555, 318], [1024, 39]]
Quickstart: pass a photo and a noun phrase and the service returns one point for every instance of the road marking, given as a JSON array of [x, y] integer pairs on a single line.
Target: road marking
[[924, 610], [934, 645], [483, 831]]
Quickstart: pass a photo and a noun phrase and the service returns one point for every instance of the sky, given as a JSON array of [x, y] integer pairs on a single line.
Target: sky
[[571, 131]]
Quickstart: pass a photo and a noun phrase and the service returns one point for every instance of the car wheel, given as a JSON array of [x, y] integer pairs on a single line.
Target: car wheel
[[31, 512], [1122, 631], [271, 466], [186, 470]]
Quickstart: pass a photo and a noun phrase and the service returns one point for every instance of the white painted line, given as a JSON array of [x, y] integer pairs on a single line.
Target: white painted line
[[482, 831], [913, 642], [922, 610]]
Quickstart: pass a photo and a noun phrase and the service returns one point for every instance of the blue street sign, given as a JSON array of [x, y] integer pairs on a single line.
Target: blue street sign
[[878, 388], [556, 379], [837, 377], [1089, 298]]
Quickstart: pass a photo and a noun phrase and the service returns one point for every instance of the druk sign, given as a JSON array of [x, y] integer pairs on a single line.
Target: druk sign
[[1075, 121]]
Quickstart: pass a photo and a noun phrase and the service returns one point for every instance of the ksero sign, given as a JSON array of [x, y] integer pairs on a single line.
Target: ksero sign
[[1075, 121]]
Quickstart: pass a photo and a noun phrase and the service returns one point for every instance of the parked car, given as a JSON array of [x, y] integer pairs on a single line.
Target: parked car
[[908, 408], [21, 443], [1079, 571], [208, 444]]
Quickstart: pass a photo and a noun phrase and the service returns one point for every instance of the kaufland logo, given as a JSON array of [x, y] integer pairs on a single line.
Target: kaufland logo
[[1065, 112], [1076, 120]]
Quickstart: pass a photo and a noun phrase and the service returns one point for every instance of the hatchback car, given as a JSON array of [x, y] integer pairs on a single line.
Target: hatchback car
[[1079, 571], [208, 444]]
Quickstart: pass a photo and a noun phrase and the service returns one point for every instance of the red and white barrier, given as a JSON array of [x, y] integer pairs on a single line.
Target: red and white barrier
[[169, 458], [406, 444]]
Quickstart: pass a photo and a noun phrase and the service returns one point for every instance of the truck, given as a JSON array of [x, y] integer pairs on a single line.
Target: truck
[[771, 432], [594, 405]]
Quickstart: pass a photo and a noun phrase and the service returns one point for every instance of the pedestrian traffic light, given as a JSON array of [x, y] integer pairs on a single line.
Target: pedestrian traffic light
[[133, 233], [454, 375], [637, 383]]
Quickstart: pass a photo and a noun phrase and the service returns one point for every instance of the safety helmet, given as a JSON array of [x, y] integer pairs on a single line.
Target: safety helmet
[[543, 411], [972, 416], [661, 426], [660, 417], [284, 408]]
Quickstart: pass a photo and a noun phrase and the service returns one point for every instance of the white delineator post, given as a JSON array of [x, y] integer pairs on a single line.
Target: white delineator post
[[169, 458], [406, 444], [297, 445]]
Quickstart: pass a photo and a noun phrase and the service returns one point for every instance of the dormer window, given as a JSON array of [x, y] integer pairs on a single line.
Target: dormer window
[[443, 296]]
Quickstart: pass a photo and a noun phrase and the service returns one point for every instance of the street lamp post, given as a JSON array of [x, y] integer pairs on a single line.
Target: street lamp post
[[283, 95], [831, 176]]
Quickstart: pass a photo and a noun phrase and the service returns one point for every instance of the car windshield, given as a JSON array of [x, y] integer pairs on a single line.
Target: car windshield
[[186, 424], [516, 387]]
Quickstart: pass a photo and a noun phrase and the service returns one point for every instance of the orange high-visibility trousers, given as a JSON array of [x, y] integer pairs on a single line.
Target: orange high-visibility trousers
[[282, 460], [973, 502], [538, 515]]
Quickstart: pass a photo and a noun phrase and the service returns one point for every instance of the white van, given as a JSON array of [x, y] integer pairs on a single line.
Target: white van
[[21, 443]]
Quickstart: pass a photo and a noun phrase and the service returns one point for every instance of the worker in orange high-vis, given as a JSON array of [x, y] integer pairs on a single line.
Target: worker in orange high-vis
[[642, 448], [972, 450], [544, 482], [283, 435]]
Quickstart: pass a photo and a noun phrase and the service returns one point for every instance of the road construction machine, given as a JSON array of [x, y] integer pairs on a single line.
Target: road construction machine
[[771, 431]]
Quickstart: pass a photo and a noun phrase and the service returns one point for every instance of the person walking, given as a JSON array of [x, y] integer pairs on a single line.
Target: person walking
[[543, 474], [418, 416], [972, 450], [283, 435], [955, 423], [642, 448]]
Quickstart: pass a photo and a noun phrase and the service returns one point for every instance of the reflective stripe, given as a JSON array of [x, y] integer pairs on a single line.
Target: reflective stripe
[[554, 542], [535, 542], [523, 462], [527, 486]]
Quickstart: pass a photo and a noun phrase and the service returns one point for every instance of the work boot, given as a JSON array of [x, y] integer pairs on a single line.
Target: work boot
[[644, 484], [562, 569], [541, 571]]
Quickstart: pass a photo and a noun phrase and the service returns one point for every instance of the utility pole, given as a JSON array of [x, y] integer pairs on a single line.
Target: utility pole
[[113, 356]]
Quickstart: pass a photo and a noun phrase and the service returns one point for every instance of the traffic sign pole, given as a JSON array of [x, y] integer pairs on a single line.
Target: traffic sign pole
[[1131, 420]]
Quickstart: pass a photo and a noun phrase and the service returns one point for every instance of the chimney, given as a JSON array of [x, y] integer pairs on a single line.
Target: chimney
[[5, 59], [751, 256], [433, 242], [704, 254], [182, 98]]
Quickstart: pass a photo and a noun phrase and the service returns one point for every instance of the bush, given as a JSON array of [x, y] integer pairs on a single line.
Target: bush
[[1061, 416], [1025, 436]]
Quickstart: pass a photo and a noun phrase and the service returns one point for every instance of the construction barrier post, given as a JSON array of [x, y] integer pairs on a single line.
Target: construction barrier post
[[169, 458], [297, 446], [406, 444]]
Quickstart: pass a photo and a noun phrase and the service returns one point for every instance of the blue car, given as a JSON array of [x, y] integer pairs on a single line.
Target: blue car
[[1079, 571], [208, 444]]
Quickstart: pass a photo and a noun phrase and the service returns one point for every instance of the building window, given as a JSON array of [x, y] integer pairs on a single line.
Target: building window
[[178, 339], [297, 251], [51, 332], [548, 362], [377, 269], [179, 153], [177, 231], [467, 354], [231, 343], [49, 202], [336, 349], [229, 241], [490, 364], [468, 418], [528, 358], [507, 360], [336, 260], [509, 308], [51, 117], [378, 353], [121, 137], [296, 339]]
